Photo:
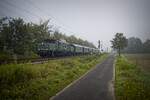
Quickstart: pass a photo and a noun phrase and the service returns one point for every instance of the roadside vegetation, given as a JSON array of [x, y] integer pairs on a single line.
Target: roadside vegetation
[[131, 82], [119, 42], [42, 81]]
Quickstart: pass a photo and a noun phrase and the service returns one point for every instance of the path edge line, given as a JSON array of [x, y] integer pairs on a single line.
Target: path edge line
[[114, 77], [73, 82]]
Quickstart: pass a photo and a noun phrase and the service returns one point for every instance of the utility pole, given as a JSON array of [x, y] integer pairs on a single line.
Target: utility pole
[[99, 44]]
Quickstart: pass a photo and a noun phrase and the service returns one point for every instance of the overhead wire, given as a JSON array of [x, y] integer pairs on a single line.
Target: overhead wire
[[21, 9], [61, 24]]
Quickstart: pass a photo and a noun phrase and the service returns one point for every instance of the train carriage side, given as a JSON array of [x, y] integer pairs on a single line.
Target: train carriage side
[[89, 50], [62, 49], [65, 49], [78, 49], [47, 48], [85, 50], [50, 48], [71, 49]]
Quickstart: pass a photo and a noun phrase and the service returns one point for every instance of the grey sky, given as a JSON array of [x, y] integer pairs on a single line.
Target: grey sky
[[88, 19]]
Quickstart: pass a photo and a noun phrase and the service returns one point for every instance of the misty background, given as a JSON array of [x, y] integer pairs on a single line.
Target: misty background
[[91, 20]]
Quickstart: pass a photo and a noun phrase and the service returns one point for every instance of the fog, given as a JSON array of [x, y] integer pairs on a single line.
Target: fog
[[91, 20]]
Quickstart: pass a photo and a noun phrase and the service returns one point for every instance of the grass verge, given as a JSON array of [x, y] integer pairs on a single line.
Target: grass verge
[[41, 81], [131, 83]]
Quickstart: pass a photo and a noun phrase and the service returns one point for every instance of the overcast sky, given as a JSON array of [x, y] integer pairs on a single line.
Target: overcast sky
[[92, 20]]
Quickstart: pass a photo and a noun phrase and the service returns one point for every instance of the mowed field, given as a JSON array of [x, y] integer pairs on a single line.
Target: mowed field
[[141, 60]]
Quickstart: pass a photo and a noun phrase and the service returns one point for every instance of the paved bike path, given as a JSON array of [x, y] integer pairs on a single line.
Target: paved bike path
[[95, 85]]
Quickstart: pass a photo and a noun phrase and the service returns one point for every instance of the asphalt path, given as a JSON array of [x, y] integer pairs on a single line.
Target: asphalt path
[[95, 85]]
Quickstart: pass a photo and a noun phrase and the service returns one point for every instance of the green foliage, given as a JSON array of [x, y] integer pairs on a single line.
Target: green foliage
[[41, 81], [131, 83], [119, 42], [4, 56], [14, 36], [19, 38]]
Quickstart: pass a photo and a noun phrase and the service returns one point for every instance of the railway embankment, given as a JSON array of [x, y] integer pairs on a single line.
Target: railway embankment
[[41, 81]]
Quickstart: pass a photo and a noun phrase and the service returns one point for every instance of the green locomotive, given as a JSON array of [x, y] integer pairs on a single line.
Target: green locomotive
[[51, 48]]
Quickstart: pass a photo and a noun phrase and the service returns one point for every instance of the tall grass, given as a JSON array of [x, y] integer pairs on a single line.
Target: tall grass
[[131, 83], [41, 81], [141, 60]]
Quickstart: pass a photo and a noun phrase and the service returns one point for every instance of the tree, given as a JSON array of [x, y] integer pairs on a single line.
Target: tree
[[18, 38], [14, 39], [119, 42], [146, 46], [135, 45], [99, 44], [14, 36], [57, 35], [40, 31]]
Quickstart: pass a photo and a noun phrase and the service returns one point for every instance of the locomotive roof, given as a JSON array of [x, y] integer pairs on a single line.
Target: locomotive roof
[[54, 40], [82, 46], [78, 45]]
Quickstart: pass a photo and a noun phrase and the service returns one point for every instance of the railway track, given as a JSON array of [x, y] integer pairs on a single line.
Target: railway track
[[32, 60]]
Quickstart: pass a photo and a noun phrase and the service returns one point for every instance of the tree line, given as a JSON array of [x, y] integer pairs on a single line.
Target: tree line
[[135, 45], [131, 45], [19, 38]]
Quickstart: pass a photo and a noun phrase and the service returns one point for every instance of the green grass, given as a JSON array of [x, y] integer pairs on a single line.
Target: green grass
[[41, 81], [131, 83]]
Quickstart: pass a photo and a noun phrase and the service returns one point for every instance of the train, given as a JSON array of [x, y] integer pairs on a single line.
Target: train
[[52, 48]]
